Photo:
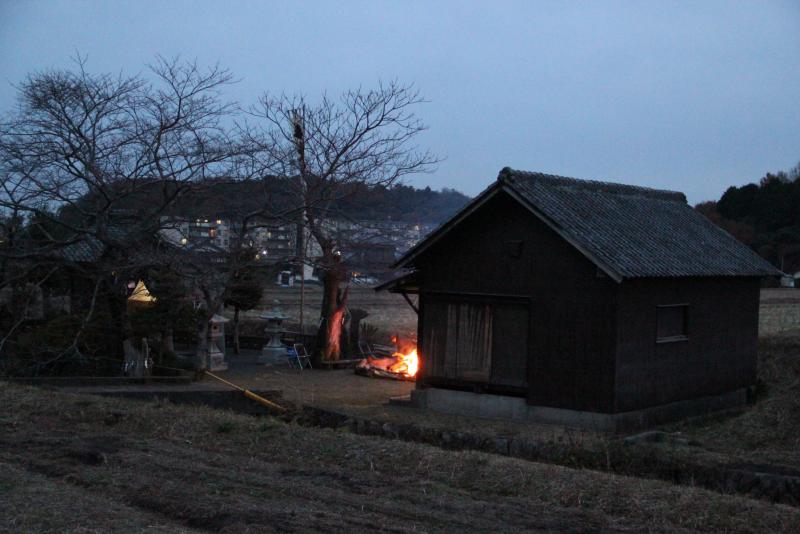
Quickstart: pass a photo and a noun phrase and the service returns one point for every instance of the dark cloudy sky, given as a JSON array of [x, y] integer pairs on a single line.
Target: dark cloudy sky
[[687, 95]]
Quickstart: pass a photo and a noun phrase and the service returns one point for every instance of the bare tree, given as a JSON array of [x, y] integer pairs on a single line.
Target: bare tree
[[94, 162], [216, 273], [363, 138]]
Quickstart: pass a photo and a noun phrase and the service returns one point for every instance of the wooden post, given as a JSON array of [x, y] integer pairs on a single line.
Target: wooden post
[[300, 249]]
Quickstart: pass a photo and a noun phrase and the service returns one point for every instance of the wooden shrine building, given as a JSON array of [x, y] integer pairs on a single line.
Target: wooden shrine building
[[583, 303]]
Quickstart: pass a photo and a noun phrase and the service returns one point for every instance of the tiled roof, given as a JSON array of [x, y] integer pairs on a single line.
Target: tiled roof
[[85, 250], [89, 249], [628, 231]]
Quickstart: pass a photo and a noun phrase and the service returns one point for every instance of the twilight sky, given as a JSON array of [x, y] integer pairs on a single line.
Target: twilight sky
[[694, 96]]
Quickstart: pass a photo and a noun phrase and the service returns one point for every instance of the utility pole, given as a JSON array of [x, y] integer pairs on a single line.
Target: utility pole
[[300, 248]]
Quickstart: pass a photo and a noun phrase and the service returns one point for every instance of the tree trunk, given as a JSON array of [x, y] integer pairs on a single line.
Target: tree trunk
[[201, 353], [118, 308], [131, 355], [356, 316], [168, 340], [236, 330], [166, 350], [334, 301], [333, 347]]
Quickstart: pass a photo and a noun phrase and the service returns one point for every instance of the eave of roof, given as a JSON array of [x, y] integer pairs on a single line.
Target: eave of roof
[[445, 227], [403, 283]]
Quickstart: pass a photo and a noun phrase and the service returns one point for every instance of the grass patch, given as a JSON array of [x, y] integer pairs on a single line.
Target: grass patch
[[226, 427], [769, 431], [297, 478]]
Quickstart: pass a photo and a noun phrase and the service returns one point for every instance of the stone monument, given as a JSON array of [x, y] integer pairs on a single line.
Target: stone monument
[[274, 351], [216, 343]]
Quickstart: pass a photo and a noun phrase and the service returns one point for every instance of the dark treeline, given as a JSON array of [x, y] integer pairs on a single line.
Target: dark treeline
[[403, 203], [358, 202], [764, 216]]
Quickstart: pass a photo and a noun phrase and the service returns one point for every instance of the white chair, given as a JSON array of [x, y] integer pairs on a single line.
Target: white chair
[[301, 355]]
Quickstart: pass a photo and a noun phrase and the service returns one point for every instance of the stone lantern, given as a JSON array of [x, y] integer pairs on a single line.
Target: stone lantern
[[274, 351], [216, 343]]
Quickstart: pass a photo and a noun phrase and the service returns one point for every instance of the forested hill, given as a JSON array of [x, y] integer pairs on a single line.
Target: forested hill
[[357, 202], [403, 203], [764, 216]]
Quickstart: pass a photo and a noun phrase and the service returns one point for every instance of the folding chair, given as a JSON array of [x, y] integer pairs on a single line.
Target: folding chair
[[300, 354], [365, 350]]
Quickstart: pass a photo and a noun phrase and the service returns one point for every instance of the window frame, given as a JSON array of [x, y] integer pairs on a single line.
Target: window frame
[[676, 338]]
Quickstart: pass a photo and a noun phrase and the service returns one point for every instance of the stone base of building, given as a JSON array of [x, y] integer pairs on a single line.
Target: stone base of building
[[516, 409]]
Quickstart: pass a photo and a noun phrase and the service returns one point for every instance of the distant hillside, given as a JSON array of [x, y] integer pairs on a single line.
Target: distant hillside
[[399, 202], [764, 216], [403, 203], [228, 199]]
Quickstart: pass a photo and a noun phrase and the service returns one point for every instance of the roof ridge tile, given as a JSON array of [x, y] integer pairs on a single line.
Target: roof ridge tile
[[513, 176]]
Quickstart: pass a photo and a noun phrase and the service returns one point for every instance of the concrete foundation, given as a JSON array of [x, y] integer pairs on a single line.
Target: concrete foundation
[[516, 409]]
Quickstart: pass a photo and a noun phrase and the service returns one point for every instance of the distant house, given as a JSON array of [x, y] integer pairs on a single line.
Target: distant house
[[370, 256], [183, 231], [583, 303]]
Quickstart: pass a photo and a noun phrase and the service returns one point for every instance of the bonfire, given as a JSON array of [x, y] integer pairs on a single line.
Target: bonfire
[[399, 366]]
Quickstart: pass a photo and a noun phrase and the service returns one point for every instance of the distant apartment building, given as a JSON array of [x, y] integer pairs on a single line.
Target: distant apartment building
[[366, 244], [182, 231], [275, 243]]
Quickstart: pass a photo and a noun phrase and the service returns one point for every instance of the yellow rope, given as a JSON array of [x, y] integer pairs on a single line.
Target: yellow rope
[[249, 394]]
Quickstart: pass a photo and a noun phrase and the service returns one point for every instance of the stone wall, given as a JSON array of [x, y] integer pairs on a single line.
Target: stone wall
[[779, 311]]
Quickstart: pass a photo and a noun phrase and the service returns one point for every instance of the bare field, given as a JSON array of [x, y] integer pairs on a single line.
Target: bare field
[[89, 464], [389, 312]]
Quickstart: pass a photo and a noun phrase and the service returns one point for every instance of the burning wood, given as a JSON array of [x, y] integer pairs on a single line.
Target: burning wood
[[399, 366]]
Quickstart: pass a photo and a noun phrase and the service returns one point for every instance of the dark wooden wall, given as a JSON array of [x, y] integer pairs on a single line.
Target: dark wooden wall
[[502, 253], [718, 356]]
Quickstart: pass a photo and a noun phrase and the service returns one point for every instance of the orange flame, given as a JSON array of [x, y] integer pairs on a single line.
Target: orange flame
[[406, 364]]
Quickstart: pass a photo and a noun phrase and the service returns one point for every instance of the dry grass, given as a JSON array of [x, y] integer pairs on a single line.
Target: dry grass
[[212, 470], [30, 502], [769, 431]]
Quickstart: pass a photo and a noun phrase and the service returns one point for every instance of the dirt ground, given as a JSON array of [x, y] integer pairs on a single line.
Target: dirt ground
[[90, 464], [345, 392], [340, 388]]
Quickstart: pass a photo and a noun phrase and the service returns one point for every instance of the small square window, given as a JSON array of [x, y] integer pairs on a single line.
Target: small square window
[[672, 323]]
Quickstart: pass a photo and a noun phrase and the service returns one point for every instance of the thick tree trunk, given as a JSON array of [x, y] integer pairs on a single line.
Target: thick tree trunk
[[236, 330], [333, 347], [132, 357], [334, 301], [118, 308]]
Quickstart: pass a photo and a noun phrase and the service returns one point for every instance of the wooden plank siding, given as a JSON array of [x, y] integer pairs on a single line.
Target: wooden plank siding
[[718, 354], [476, 340], [550, 342], [560, 330]]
